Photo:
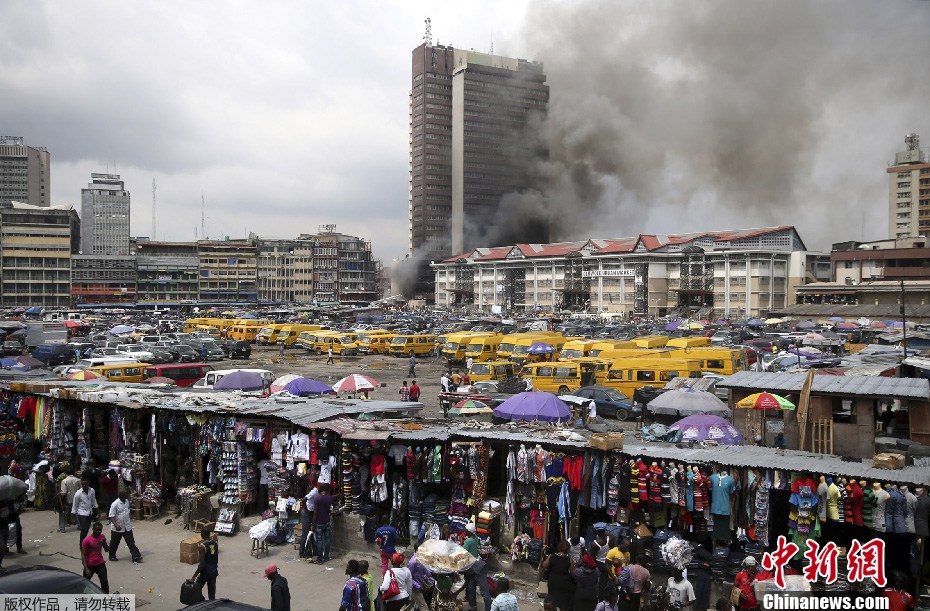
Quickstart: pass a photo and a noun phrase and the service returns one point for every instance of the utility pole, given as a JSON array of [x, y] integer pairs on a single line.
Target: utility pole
[[903, 321], [154, 187]]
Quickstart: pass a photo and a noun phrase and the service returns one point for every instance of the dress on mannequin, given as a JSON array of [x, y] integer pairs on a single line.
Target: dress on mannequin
[[910, 508], [822, 489], [879, 521]]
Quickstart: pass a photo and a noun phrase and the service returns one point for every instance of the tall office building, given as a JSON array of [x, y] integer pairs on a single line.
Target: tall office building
[[468, 146], [24, 172], [909, 191], [105, 216]]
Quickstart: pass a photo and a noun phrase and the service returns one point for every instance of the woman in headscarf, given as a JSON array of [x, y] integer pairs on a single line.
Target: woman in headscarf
[[586, 578], [45, 491]]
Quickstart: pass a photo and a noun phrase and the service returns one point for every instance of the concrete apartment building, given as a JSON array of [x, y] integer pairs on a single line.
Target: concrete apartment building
[[36, 246], [228, 271], [24, 172], [722, 274], [103, 279], [468, 111], [909, 191], [168, 273], [105, 216]]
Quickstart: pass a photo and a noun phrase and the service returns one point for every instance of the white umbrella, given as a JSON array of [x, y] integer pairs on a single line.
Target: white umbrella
[[355, 383], [687, 401], [283, 381]]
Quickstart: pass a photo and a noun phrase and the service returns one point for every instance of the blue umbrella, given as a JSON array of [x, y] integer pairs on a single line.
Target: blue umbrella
[[7, 362], [240, 380], [673, 325], [305, 386], [540, 348], [542, 406], [805, 324], [121, 329], [756, 322], [34, 310], [836, 319]]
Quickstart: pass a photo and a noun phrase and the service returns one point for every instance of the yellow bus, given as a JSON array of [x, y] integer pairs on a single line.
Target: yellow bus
[[562, 377], [602, 345], [650, 341], [688, 342], [490, 370], [341, 343], [456, 344], [520, 356], [593, 370], [245, 331], [268, 335], [725, 361], [289, 333], [633, 353], [127, 372], [191, 324], [483, 349], [505, 350], [577, 348], [419, 345], [375, 343], [626, 375]]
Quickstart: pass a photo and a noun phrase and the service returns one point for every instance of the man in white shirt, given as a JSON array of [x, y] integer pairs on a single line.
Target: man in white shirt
[[84, 507], [121, 527], [307, 548], [262, 499], [680, 590]]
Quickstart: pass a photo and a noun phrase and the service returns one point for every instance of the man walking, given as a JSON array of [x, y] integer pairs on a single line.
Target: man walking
[[476, 578], [404, 391], [386, 538], [280, 594], [208, 569], [413, 366], [69, 487], [468, 363], [329, 356], [281, 349], [321, 522], [355, 592], [84, 507], [121, 527], [414, 391]]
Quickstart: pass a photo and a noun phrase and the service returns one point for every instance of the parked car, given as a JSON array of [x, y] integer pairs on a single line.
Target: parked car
[[54, 354], [610, 402], [214, 352], [161, 356], [236, 349], [11, 348], [139, 352], [184, 353], [720, 338], [41, 579]]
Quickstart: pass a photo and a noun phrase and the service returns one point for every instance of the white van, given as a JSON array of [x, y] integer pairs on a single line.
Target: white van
[[99, 361], [213, 377]]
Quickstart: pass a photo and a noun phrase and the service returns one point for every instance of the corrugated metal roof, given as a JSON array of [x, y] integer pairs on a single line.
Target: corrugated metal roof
[[896, 388], [769, 458]]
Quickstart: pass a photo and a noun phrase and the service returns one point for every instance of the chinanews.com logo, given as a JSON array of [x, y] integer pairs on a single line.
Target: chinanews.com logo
[[806, 601]]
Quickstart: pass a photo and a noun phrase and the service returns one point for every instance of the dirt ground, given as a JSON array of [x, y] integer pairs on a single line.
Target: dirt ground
[[157, 581], [388, 370]]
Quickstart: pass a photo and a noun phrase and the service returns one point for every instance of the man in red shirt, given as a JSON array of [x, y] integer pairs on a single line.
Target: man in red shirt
[[744, 580], [414, 391], [898, 599]]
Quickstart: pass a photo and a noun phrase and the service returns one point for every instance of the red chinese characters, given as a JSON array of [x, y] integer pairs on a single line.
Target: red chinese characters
[[775, 562], [821, 561], [867, 561]]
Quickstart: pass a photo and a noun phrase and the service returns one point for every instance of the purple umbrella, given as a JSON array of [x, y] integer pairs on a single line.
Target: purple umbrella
[[704, 427], [240, 380], [305, 386], [540, 348], [673, 325], [542, 406]]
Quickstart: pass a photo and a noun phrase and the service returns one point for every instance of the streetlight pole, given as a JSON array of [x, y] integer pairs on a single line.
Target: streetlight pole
[[903, 321]]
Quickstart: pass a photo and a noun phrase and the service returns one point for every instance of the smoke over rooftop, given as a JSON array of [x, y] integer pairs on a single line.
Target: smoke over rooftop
[[669, 116]]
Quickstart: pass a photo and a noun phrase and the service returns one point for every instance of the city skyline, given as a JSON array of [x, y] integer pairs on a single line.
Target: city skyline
[[302, 121]]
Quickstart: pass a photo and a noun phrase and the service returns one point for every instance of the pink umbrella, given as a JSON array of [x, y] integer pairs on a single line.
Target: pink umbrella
[[355, 383], [283, 381]]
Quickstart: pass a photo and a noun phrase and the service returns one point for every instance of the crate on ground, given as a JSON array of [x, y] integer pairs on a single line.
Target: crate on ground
[[190, 550], [606, 441]]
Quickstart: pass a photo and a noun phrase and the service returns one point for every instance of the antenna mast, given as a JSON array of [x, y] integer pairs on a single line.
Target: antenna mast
[[203, 218], [428, 36], [154, 187]]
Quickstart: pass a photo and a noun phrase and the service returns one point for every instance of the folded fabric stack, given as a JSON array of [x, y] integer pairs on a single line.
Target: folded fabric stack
[[413, 517], [492, 507], [441, 512], [718, 566], [457, 523], [483, 523]]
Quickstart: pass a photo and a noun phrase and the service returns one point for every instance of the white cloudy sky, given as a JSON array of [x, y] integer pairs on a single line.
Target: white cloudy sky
[[292, 114]]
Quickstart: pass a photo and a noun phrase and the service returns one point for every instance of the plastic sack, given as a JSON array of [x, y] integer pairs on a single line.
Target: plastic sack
[[263, 529], [444, 557]]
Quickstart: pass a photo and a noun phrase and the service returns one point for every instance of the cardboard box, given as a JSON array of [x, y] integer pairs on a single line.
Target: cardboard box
[[888, 460], [606, 441], [190, 553]]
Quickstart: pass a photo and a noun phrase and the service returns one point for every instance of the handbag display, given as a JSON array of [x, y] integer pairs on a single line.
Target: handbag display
[[393, 588]]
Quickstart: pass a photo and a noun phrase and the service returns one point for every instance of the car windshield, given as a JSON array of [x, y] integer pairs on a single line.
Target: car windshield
[[615, 395]]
